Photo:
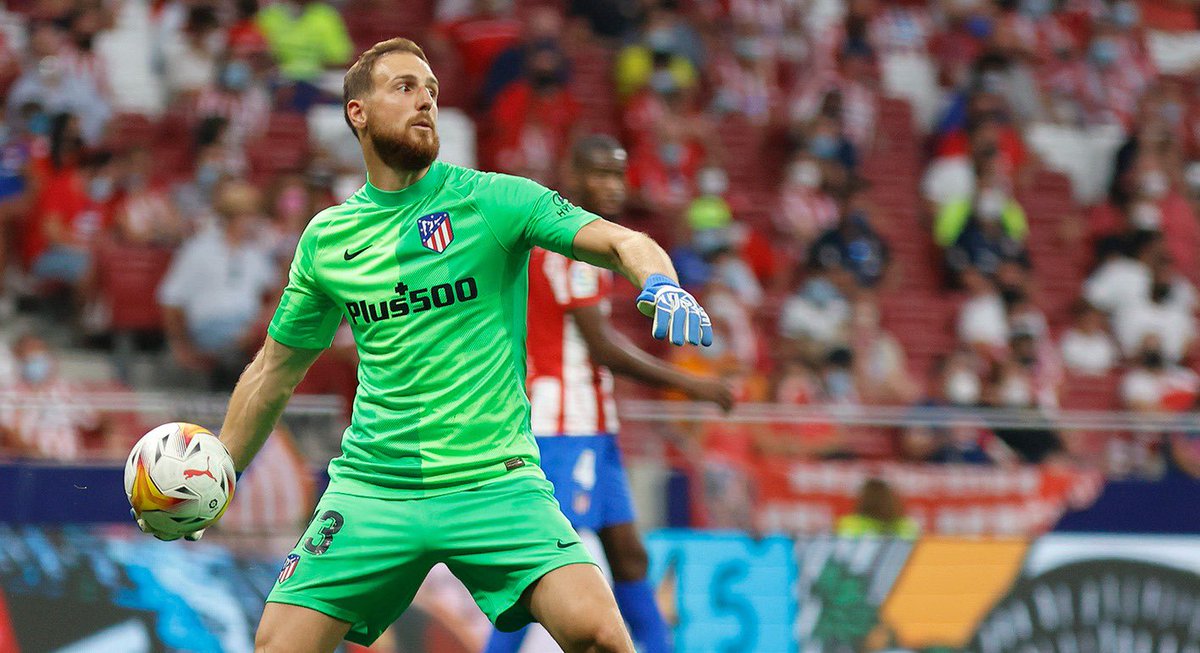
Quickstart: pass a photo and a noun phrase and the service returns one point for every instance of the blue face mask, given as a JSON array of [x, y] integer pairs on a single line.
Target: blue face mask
[[670, 153], [979, 26], [39, 124], [1125, 15], [236, 75], [1103, 52], [1036, 8], [36, 368], [100, 189], [823, 146], [207, 175]]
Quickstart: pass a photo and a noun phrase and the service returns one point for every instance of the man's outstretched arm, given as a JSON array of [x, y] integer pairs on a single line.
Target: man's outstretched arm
[[610, 348], [677, 315], [260, 396]]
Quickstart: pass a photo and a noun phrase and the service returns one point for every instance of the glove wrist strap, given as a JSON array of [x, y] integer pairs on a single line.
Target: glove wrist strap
[[655, 281]]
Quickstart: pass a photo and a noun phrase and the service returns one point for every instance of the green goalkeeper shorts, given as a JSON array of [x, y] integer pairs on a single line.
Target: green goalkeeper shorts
[[362, 559]]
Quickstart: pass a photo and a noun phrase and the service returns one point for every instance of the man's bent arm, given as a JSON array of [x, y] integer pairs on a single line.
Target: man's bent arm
[[610, 348], [631, 253], [260, 396]]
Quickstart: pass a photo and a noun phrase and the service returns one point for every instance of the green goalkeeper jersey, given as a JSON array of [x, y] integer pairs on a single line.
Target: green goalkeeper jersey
[[432, 280]]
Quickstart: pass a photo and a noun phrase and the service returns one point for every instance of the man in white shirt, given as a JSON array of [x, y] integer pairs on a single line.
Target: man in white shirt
[[1124, 279], [982, 320], [1167, 314], [213, 292]]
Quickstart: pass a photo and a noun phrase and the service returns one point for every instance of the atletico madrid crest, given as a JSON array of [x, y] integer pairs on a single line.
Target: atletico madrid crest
[[436, 232], [289, 567]]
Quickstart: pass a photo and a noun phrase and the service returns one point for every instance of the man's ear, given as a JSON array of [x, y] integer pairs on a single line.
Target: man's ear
[[357, 112]]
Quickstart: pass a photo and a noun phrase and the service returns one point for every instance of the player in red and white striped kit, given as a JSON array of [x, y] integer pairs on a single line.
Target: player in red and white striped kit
[[572, 354]]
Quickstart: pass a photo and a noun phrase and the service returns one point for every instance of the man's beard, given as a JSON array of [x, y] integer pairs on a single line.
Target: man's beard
[[405, 151]]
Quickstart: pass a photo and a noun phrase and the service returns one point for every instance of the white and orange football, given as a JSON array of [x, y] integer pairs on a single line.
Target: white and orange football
[[179, 478]]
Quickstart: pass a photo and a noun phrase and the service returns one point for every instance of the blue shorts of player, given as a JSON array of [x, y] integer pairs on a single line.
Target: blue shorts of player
[[588, 478]]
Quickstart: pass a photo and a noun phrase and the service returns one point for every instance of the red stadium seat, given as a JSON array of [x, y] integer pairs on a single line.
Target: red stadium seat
[[129, 277]]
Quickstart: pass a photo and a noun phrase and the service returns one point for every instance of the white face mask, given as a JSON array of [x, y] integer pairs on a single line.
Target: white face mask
[[806, 174], [1154, 184], [990, 206], [712, 181], [962, 388], [1015, 393], [1146, 216]]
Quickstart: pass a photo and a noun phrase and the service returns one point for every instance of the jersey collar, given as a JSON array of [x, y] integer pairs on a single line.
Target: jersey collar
[[425, 185]]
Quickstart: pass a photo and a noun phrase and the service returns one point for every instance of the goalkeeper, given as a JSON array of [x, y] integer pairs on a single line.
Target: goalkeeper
[[428, 264]]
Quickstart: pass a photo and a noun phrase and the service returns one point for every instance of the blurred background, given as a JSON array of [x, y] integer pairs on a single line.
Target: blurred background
[[950, 248]]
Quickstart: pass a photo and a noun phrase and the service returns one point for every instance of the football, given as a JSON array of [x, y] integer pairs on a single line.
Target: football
[[179, 478]]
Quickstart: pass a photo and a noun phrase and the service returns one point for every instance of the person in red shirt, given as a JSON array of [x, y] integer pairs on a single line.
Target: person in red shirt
[[74, 207], [530, 123], [476, 40], [573, 352]]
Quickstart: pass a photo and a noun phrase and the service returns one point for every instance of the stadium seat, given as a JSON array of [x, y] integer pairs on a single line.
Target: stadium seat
[[128, 277]]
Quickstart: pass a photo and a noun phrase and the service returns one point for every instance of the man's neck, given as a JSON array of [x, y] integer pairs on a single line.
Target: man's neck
[[387, 178]]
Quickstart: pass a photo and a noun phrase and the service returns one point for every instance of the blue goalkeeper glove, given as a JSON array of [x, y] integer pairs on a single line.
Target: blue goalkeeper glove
[[677, 315]]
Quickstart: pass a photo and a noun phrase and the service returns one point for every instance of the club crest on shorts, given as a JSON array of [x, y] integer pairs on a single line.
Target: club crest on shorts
[[436, 232], [289, 567]]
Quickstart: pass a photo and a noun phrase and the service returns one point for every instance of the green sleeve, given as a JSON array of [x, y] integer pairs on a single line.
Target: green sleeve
[[1014, 221], [306, 317], [524, 214], [336, 43], [950, 221]]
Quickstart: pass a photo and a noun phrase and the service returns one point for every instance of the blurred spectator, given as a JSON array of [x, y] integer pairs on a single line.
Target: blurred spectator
[[953, 382], [1168, 313], [848, 98], [79, 55], [824, 138], [305, 38], [662, 173], [984, 231], [1013, 383], [746, 81], [244, 38], [50, 85], [982, 319], [879, 512], [659, 54], [880, 365], [838, 380], [190, 61], [1155, 384], [1039, 370], [1123, 279], [215, 159], [1087, 348], [291, 205], [44, 420], [543, 31], [213, 292], [145, 215], [476, 39], [853, 245], [235, 96], [531, 122], [73, 210], [805, 207], [819, 313]]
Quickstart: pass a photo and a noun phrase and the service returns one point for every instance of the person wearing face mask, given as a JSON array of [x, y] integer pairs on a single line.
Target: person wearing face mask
[[660, 49], [235, 96], [1012, 385], [43, 420], [984, 231], [805, 210], [853, 245], [75, 210], [1168, 313], [1154, 384], [953, 383], [212, 294], [531, 120], [1087, 349]]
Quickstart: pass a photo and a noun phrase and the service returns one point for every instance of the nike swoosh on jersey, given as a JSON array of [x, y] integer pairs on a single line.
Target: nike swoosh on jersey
[[561, 545], [347, 255]]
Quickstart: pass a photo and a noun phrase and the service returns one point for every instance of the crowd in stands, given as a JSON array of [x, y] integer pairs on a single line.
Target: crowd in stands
[[873, 198]]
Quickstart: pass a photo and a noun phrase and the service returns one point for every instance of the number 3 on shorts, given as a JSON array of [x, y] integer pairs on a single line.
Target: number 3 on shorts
[[334, 524]]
